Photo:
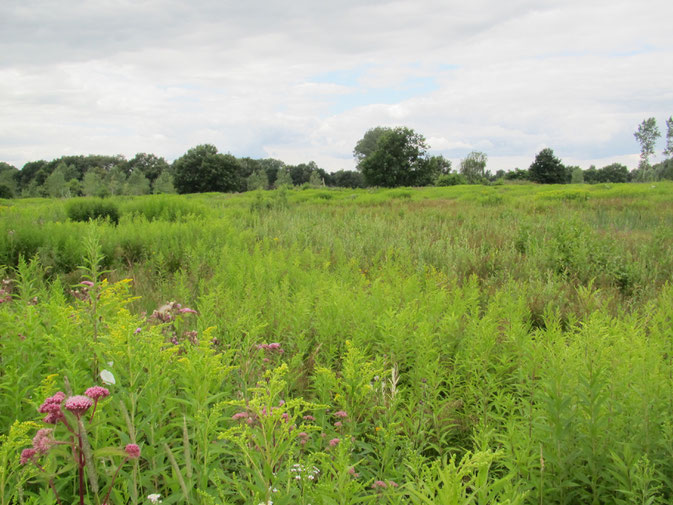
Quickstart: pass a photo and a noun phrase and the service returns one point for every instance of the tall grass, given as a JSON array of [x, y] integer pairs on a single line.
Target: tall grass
[[506, 344]]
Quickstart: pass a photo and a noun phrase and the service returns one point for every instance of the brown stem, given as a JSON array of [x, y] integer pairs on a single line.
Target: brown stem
[[113, 480]]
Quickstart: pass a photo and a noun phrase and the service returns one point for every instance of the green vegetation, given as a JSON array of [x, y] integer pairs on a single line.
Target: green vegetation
[[463, 344]]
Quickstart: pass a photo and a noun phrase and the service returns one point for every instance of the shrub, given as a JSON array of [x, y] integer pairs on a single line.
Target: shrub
[[87, 209]]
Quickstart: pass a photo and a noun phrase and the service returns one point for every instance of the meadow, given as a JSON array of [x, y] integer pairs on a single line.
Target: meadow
[[506, 344]]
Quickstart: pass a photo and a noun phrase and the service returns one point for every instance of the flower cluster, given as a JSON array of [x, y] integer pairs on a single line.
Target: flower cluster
[[59, 409], [274, 347], [251, 417], [167, 312], [303, 473], [379, 484]]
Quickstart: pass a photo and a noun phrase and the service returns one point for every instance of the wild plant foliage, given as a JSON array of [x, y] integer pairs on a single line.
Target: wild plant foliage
[[452, 345]]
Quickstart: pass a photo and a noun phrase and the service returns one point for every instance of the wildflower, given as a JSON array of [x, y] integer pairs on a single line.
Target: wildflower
[[78, 405], [379, 484], [341, 414], [52, 404], [309, 418], [239, 415], [97, 392], [87, 283], [43, 440], [135, 332], [392, 483], [27, 455], [132, 451], [154, 498], [186, 310], [334, 442], [352, 472], [338, 424], [54, 417]]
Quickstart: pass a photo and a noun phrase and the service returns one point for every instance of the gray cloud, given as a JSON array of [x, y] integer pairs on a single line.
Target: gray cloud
[[162, 76]]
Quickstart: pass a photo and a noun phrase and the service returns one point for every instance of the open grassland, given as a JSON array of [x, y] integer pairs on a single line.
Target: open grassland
[[503, 344]]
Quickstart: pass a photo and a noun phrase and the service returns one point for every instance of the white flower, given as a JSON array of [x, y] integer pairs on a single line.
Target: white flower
[[154, 498]]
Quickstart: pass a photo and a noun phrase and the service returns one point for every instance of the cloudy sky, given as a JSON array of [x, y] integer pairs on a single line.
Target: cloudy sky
[[303, 80]]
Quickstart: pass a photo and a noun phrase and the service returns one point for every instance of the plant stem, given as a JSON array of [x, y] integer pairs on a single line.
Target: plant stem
[[107, 495]]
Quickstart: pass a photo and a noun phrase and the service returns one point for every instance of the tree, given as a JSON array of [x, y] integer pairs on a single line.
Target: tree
[[647, 135], [8, 177], [347, 179], [367, 144], [616, 172], [473, 167], [668, 152], [203, 169], [116, 180], [92, 184], [548, 169], [315, 180], [398, 160], [150, 165], [258, 180], [283, 178], [55, 185], [164, 183], [137, 183], [576, 175]]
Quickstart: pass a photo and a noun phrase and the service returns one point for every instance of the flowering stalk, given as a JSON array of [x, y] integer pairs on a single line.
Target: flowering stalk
[[55, 407]]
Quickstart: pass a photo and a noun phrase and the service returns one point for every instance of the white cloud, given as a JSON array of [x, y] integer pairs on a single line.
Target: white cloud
[[162, 76]]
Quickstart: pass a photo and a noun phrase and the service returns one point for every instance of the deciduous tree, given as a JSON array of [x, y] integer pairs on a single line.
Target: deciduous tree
[[203, 169], [399, 159], [647, 135], [548, 169]]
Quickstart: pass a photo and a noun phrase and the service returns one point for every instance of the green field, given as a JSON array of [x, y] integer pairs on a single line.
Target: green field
[[470, 344]]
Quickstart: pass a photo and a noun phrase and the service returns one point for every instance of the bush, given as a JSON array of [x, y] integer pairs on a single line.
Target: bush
[[87, 209], [451, 180]]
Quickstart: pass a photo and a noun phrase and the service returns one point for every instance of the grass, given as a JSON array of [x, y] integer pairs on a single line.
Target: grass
[[504, 344]]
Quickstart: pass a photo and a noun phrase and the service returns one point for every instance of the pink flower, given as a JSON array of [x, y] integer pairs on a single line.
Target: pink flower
[[341, 414], [379, 484], [43, 440], [53, 417], [239, 415], [392, 483], [133, 451], [137, 330], [338, 424], [87, 283], [334, 442], [187, 311], [352, 472], [27, 455], [97, 392], [52, 404], [79, 404], [309, 418]]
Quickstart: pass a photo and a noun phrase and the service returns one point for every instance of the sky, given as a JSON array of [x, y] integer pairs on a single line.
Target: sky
[[303, 80]]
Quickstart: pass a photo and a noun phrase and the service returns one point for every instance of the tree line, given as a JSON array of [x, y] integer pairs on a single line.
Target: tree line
[[201, 169], [385, 157]]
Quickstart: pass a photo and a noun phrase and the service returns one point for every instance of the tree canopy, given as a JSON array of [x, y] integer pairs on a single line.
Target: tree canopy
[[203, 169], [548, 169], [398, 159]]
